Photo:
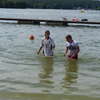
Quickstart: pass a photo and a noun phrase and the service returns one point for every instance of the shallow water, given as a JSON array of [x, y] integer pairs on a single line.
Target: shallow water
[[25, 76]]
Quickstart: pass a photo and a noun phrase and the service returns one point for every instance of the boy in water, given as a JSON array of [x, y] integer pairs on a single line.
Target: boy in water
[[47, 45], [72, 48]]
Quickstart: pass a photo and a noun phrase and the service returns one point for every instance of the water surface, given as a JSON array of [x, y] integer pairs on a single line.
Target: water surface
[[25, 76]]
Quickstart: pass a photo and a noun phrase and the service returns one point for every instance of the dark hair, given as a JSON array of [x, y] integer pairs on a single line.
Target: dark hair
[[69, 36], [47, 31]]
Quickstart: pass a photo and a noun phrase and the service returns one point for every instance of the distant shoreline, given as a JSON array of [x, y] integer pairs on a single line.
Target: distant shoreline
[[49, 9], [51, 4]]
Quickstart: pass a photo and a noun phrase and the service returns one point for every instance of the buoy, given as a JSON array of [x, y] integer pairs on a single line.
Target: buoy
[[31, 37], [75, 19]]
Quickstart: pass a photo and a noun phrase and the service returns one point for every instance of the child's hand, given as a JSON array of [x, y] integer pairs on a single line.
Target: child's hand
[[74, 56]]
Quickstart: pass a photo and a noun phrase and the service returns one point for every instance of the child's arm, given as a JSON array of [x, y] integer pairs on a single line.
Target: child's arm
[[52, 44], [77, 51], [66, 50], [39, 50], [77, 48]]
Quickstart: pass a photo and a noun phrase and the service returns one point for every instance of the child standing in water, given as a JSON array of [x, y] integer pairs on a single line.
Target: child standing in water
[[72, 48], [47, 45]]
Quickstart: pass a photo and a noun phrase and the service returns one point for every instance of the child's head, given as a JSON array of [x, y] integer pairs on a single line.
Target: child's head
[[69, 38], [47, 34]]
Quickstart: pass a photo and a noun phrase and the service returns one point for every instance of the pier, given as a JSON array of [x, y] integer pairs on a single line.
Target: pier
[[46, 21]]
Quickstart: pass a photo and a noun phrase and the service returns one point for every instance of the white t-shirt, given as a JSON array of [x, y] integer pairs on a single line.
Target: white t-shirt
[[72, 47], [48, 46]]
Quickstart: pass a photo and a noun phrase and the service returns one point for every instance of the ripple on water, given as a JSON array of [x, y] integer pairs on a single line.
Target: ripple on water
[[35, 77], [43, 96]]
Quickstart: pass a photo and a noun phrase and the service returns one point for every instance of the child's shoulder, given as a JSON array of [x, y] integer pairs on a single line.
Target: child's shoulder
[[67, 44], [51, 39], [75, 42]]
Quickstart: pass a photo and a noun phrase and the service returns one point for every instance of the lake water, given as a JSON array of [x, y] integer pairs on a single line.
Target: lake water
[[26, 76]]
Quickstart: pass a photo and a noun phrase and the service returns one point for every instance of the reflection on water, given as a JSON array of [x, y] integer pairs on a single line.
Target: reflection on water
[[45, 74], [47, 67], [71, 69], [22, 71]]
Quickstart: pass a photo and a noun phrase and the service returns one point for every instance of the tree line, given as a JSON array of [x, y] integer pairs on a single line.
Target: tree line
[[51, 4]]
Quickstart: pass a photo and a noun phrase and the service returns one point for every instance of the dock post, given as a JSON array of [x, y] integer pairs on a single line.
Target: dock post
[[65, 23]]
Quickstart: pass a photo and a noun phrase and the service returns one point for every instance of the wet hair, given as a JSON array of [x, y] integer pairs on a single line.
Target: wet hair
[[68, 36], [47, 31]]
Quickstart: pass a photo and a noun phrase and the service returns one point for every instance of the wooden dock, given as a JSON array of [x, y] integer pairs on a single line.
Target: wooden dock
[[51, 22]]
